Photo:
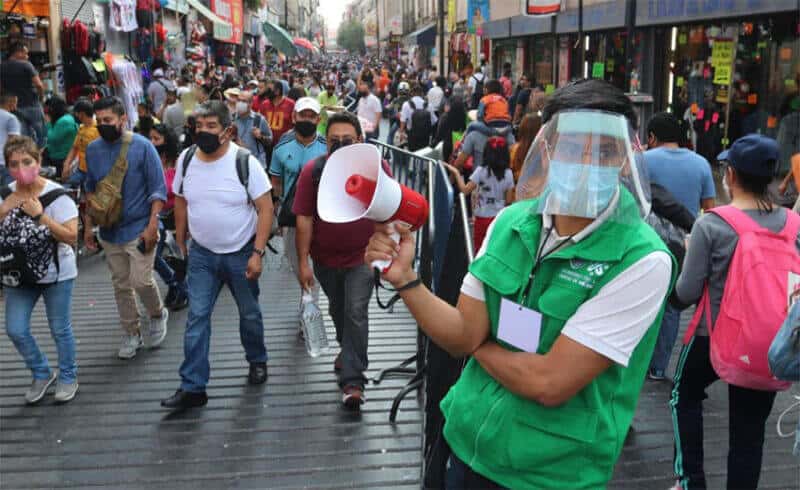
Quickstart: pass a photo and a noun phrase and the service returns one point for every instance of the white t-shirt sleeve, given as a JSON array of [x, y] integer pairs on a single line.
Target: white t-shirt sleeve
[[258, 184], [476, 175], [176, 181], [508, 180], [405, 112], [614, 321]]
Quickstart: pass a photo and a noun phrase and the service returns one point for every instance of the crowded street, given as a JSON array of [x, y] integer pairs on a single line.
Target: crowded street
[[439, 244]]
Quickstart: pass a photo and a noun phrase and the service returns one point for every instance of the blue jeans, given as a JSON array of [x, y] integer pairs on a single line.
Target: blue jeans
[[666, 339], [459, 476], [207, 273], [33, 123], [58, 304]]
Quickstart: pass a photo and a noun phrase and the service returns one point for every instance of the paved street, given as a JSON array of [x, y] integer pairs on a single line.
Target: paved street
[[289, 434]]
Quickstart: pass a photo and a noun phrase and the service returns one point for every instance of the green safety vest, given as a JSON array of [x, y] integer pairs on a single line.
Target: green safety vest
[[520, 443]]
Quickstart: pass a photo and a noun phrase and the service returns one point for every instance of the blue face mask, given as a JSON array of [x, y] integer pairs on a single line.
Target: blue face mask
[[581, 190]]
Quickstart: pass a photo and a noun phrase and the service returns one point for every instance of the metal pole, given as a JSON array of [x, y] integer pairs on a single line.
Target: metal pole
[[378, 26], [462, 200], [441, 39], [581, 42], [286, 14]]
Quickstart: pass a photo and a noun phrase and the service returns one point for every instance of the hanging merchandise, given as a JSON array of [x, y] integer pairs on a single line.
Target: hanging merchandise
[[123, 16], [128, 85]]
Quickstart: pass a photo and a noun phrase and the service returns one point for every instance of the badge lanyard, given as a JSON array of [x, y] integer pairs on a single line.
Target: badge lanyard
[[540, 258]]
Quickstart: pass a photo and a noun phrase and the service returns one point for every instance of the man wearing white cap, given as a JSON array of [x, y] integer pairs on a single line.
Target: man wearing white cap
[[157, 91], [294, 150]]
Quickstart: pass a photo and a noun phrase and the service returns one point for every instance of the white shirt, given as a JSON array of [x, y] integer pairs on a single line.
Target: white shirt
[[435, 98], [220, 217], [369, 107], [61, 210], [491, 193], [407, 111], [614, 321]]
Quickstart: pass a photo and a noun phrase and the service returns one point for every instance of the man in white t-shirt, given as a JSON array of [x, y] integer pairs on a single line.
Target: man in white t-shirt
[[370, 110], [226, 203]]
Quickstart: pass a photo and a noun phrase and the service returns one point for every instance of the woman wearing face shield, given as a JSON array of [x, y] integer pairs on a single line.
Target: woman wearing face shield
[[560, 310]]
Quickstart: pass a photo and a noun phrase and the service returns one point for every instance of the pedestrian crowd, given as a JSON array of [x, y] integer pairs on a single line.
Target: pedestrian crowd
[[589, 244]]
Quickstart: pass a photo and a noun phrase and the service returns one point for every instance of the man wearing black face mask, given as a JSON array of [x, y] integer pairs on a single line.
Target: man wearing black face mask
[[296, 149], [338, 254], [229, 218], [130, 243]]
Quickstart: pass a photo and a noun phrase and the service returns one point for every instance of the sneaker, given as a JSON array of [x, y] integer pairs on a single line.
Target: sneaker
[[66, 392], [130, 344], [353, 397], [39, 388], [656, 375], [158, 330], [181, 301], [258, 373]]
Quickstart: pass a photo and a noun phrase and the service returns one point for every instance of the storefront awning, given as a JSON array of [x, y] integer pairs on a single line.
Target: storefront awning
[[496, 29], [423, 37], [221, 27]]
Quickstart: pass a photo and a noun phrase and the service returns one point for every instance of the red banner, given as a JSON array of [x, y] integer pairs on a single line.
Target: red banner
[[230, 11]]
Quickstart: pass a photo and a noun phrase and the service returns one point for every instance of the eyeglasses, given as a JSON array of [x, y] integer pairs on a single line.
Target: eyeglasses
[[341, 141]]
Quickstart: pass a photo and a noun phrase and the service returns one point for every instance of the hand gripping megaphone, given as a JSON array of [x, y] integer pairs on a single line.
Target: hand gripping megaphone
[[354, 186]]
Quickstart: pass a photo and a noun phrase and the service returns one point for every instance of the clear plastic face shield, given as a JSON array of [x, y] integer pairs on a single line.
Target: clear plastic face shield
[[577, 163]]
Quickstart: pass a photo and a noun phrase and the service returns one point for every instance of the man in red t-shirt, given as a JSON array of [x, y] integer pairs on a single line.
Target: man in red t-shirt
[[278, 110], [337, 251]]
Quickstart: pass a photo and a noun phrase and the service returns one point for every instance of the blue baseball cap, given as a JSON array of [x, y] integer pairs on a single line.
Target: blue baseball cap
[[753, 154]]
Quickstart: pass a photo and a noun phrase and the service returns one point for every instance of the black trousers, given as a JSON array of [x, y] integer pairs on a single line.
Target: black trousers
[[748, 411]]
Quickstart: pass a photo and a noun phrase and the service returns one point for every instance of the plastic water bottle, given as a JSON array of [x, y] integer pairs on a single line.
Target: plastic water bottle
[[313, 327]]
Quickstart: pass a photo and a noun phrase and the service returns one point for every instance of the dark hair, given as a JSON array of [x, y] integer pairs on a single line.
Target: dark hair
[[496, 156], [56, 107], [6, 98], [296, 93], [277, 87], [758, 186], [83, 106], [16, 48], [590, 93], [113, 103], [528, 129], [494, 87], [666, 127], [170, 142], [345, 118], [457, 115], [214, 108], [441, 82], [146, 105]]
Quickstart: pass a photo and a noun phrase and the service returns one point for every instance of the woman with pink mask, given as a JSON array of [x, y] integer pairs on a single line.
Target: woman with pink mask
[[38, 226]]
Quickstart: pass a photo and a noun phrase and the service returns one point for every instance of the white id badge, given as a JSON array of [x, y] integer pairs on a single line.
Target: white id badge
[[519, 326]]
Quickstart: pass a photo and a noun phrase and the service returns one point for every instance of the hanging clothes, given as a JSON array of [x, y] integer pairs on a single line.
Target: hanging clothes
[[123, 15]]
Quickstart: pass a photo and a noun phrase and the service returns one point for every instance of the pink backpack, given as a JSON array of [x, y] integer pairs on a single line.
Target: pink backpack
[[754, 303]]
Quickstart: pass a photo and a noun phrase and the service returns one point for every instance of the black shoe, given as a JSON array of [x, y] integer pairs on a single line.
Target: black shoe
[[258, 373], [185, 399], [181, 301], [169, 299]]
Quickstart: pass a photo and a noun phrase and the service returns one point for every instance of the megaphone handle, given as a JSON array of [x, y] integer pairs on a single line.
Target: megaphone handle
[[384, 265]]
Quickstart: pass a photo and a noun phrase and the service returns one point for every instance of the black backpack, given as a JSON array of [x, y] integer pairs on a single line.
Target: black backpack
[[242, 168], [26, 247], [286, 216], [419, 136], [477, 94]]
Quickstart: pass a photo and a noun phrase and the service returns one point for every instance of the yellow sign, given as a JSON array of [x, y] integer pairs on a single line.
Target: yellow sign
[[722, 95], [722, 53], [722, 75], [451, 15]]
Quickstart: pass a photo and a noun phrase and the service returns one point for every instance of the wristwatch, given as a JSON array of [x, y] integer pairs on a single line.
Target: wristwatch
[[260, 251]]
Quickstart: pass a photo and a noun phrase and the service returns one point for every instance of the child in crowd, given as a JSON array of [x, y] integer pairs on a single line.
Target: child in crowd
[[494, 183]]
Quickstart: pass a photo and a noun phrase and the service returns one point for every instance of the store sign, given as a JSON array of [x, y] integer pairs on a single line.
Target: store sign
[[451, 15], [650, 12], [542, 7], [30, 8], [477, 15], [722, 53], [722, 75], [180, 6], [232, 12]]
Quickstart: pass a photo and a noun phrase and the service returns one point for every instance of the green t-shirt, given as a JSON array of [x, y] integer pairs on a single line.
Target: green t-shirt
[[325, 100], [60, 137]]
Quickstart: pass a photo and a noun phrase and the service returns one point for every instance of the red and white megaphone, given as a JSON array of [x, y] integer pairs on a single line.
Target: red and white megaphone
[[354, 186]]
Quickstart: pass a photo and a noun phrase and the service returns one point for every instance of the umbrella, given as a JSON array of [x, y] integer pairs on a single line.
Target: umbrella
[[279, 38], [303, 43]]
